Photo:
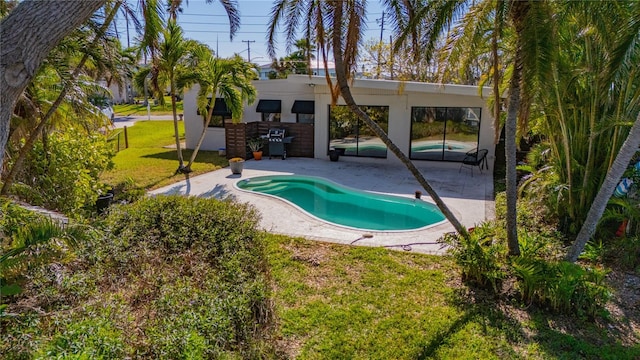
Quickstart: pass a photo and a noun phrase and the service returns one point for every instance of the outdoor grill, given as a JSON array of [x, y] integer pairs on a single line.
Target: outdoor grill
[[278, 142]]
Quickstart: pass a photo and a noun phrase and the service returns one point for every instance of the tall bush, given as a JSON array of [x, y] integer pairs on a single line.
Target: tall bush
[[63, 172]]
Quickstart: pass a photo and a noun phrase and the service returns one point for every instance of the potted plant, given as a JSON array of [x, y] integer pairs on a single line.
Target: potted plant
[[236, 164], [255, 145]]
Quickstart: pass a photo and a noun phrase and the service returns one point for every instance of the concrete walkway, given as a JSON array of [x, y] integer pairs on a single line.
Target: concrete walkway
[[469, 198], [120, 121]]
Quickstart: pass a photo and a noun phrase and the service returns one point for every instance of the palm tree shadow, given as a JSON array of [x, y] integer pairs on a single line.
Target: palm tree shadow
[[478, 307], [432, 347], [219, 192]]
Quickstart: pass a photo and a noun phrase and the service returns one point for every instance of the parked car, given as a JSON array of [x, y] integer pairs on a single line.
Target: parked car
[[103, 103], [107, 110]]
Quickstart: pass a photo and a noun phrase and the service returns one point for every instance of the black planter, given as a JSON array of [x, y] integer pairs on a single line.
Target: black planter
[[103, 202], [334, 155]]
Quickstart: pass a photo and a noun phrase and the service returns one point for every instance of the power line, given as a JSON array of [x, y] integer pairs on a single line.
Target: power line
[[224, 15], [244, 16], [221, 31], [180, 22]]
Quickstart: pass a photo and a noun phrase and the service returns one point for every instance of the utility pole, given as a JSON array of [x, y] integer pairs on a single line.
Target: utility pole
[[380, 48], [249, 48], [391, 57], [126, 19]]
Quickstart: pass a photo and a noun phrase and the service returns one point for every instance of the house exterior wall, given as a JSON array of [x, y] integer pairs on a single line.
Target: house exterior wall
[[194, 123], [400, 105], [279, 89], [399, 97]]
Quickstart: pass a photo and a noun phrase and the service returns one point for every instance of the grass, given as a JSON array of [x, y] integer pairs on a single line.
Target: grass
[[149, 165], [139, 109], [336, 301]]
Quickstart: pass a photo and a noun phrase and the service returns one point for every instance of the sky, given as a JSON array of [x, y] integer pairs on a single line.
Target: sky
[[208, 23]]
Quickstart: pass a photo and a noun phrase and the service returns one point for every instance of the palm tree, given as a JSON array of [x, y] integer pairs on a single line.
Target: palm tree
[[614, 46], [620, 164], [530, 21], [175, 6], [172, 54], [227, 78], [338, 25]]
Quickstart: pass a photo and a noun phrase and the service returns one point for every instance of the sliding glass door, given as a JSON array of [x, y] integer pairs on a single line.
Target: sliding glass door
[[353, 137], [444, 133]]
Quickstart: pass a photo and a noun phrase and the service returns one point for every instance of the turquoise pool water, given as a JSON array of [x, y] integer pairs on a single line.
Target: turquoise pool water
[[346, 206]]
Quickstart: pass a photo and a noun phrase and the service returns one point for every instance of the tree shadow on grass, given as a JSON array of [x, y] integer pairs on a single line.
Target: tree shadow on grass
[[567, 337], [552, 335], [477, 307], [172, 154]]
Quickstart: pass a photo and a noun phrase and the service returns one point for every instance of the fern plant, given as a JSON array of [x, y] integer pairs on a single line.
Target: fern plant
[[480, 257], [38, 242]]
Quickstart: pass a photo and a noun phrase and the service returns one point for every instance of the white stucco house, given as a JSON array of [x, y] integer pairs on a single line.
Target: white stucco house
[[429, 122]]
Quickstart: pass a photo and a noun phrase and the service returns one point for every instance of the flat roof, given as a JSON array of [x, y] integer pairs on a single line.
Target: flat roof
[[400, 86]]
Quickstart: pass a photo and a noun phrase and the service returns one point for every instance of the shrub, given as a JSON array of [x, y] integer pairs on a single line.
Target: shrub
[[562, 286], [64, 175], [89, 338], [481, 257], [127, 191], [626, 252], [198, 266], [29, 241]]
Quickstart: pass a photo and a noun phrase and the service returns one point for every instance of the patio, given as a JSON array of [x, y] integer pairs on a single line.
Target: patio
[[469, 198]]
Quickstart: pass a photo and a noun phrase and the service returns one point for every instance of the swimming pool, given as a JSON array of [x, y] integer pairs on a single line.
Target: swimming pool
[[345, 206]]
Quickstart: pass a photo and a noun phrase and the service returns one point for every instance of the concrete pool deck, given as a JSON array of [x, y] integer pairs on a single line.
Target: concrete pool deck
[[469, 198]]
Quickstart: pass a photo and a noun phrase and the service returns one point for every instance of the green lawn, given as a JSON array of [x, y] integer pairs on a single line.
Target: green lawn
[[149, 164], [139, 109], [343, 302]]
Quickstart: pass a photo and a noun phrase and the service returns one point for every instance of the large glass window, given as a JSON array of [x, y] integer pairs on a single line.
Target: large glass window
[[352, 137], [444, 133]]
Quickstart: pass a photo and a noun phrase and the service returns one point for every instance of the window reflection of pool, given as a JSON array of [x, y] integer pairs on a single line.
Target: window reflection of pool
[[345, 206], [432, 146]]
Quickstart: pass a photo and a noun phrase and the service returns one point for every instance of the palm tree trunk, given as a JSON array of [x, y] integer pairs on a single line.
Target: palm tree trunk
[[496, 73], [519, 11], [175, 126], [202, 135], [626, 153], [345, 91], [510, 154], [22, 154]]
